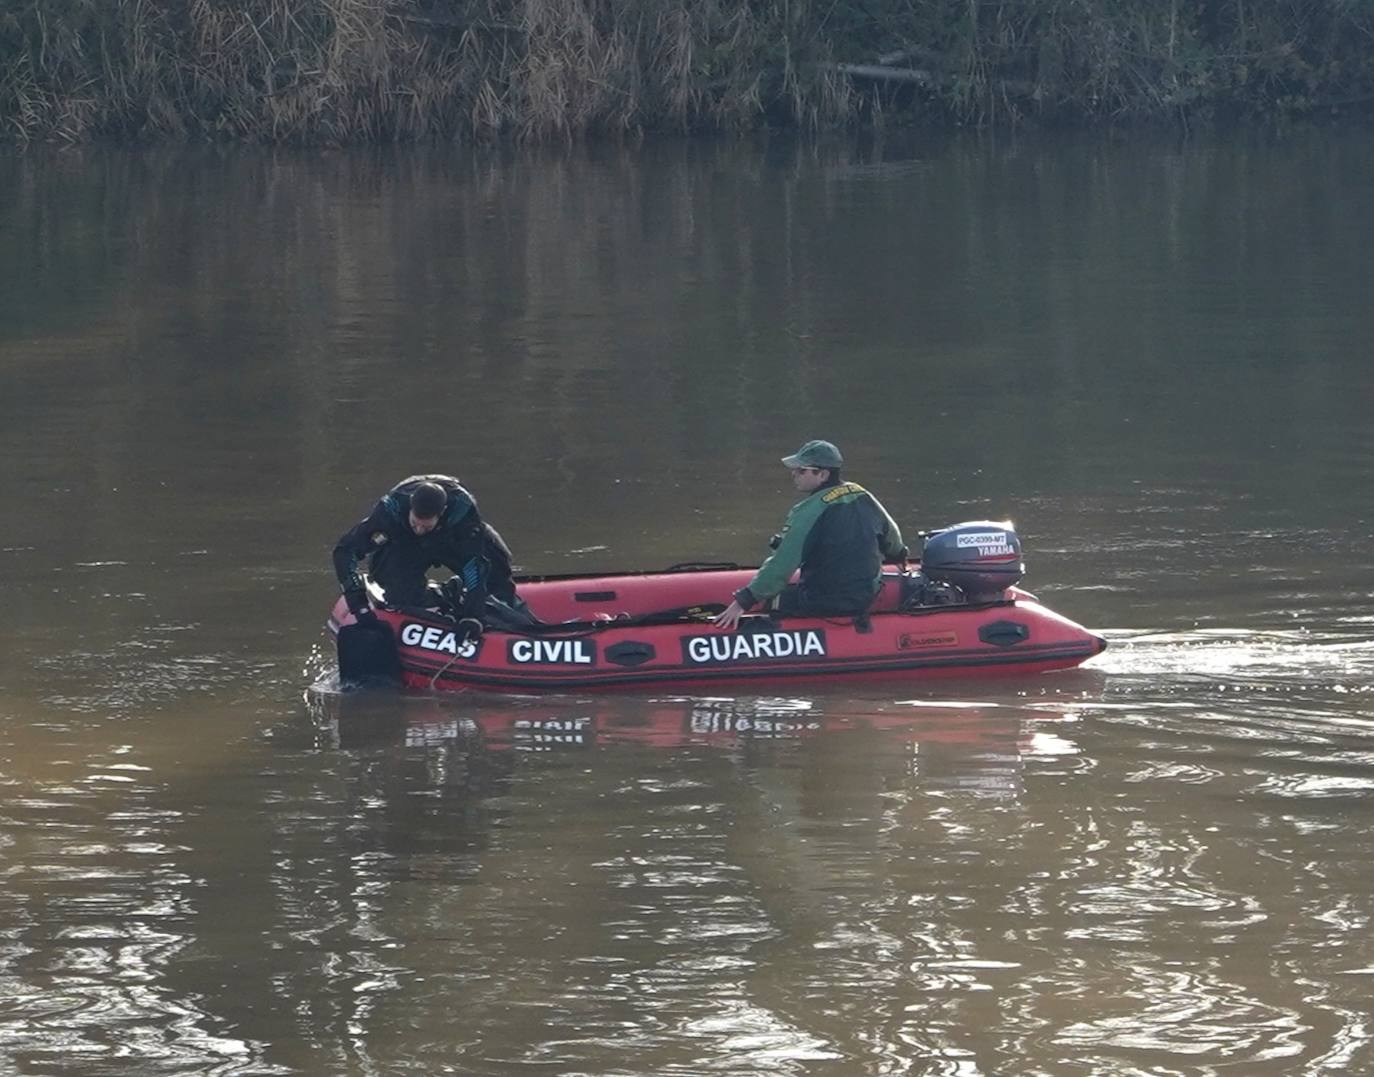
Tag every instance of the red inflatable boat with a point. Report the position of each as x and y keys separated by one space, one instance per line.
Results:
x=655 y=629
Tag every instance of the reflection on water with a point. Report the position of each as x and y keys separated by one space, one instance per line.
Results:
x=743 y=883
x=749 y=843
x=927 y=855
x=1151 y=355
x=97 y=915
x=975 y=747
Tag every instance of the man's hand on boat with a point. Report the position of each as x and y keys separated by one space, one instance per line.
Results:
x=361 y=609
x=729 y=617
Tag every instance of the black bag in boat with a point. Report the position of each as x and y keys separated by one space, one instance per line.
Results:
x=507 y=617
x=452 y=599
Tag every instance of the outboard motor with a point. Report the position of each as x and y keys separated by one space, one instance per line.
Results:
x=982 y=558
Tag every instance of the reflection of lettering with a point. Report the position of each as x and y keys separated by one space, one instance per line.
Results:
x=910 y=641
x=423 y=736
x=753 y=646
x=710 y=721
x=433 y=638
x=545 y=734
x=577 y=652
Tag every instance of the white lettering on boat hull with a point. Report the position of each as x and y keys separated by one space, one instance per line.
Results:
x=726 y=648
x=552 y=652
x=439 y=640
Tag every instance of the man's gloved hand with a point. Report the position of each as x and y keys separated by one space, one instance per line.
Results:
x=360 y=608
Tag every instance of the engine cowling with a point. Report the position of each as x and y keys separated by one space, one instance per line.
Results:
x=982 y=558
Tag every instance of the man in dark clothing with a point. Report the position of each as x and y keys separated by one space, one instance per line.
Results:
x=424 y=521
x=838 y=535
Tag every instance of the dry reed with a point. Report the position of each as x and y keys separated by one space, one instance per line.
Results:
x=346 y=70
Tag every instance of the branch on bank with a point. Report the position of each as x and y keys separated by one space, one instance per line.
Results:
x=881 y=72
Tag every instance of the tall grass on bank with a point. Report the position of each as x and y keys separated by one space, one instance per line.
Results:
x=347 y=70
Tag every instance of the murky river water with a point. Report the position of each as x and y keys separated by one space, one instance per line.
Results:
x=1153 y=355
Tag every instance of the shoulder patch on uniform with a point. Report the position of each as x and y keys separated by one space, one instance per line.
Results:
x=378 y=538
x=843 y=490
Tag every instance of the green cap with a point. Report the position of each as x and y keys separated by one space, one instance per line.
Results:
x=815 y=454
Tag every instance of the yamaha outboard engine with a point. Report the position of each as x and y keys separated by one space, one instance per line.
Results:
x=982 y=558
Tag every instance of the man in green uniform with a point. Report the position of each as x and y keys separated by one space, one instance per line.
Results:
x=838 y=535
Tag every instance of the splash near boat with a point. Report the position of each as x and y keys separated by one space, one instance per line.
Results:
x=959 y=612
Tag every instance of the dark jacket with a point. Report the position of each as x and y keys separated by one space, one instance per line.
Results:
x=398 y=559
x=838 y=536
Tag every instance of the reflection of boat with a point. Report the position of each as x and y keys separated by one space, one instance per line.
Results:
x=658 y=724
x=974 y=747
x=652 y=629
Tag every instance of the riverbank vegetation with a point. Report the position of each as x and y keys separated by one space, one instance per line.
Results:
x=351 y=70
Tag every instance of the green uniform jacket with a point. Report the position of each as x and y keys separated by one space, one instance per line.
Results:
x=839 y=537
